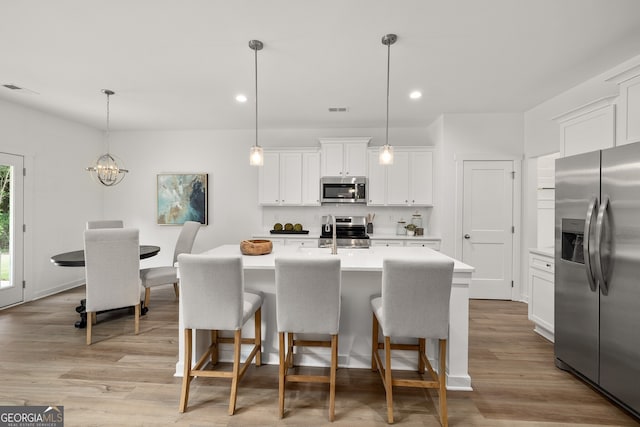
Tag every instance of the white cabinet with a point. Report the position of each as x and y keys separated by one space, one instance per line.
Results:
x=588 y=128
x=344 y=156
x=387 y=243
x=541 y=286
x=302 y=243
x=289 y=178
x=408 y=242
x=432 y=244
x=628 y=113
x=311 y=179
x=407 y=182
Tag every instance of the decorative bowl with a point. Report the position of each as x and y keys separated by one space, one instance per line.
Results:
x=256 y=247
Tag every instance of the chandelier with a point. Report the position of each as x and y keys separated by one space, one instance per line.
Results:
x=256 y=157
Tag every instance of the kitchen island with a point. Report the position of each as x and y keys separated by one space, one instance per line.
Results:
x=361 y=278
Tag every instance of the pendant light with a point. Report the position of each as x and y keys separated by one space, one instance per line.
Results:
x=256 y=157
x=386 y=151
x=106 y=169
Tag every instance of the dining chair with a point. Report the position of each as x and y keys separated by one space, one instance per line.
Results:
x=415 y=304
x=111 y=267
x=105 y=223
x=307 y=302
x=213 y=298
x=166 y=275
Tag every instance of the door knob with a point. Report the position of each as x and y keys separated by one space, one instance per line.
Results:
x=466 y=236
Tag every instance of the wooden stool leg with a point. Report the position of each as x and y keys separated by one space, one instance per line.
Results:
x=236 y=370
x=290 y=349
x=176 y=290
x=186 y=376
x=442 y=391
x=281 y=374
x=387 y=379
x=136 y=322
x=421 y=350
x=147 y=296
x=332 y=378
x=258 y=335
x=374 y=343
x=216 y=347
x=89 y=326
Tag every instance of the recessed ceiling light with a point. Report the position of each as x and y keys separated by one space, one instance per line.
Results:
x=416 y=94
x=241 y=98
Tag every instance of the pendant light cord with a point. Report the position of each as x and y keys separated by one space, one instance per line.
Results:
x=256 y=73
x=388 y=72
x=107 y=134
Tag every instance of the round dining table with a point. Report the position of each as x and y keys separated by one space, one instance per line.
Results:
x=76 y=259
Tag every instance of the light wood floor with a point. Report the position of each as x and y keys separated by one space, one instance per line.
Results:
x=123 y=379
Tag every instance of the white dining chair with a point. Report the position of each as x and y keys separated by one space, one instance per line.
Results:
x=307 y=302
x=213 y=298
x=414 y=303
x=168 y=274
x=105 y=223
x=112 y=262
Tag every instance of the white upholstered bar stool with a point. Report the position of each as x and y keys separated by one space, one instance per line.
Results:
x=414 y=303
x=105 y=223
x=307 y=302
x=168 y=274
x=112 y=262
x=213 y=298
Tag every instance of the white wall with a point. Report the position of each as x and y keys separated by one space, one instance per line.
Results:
x=59 y=195
x=471 y=135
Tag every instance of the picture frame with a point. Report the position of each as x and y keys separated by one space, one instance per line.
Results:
x=182 y=197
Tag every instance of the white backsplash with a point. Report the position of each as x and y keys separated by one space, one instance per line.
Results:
x=311 y=217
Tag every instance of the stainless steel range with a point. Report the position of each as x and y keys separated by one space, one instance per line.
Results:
x=351 y=232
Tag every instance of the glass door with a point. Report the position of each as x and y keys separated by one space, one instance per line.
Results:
x=11 y=229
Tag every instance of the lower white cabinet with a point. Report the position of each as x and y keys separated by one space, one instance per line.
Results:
x=408 y=242
x=306 y=243
x=387 y=243
x=541 y=286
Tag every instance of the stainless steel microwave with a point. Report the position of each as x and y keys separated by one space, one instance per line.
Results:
x=337 y=189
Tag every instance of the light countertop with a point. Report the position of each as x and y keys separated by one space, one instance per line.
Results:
x=547 y=251
x=351 y=259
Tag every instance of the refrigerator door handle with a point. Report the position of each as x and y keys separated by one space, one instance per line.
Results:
x=588 y=244
x=600 y=225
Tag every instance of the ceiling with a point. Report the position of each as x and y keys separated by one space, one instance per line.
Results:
x=180 y=64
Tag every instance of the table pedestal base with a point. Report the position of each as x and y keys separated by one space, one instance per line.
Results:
x=82 y=311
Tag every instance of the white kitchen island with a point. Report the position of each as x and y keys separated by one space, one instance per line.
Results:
x=361 y=278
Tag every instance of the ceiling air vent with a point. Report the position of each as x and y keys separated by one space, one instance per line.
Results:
x=12 y=87
x=19 y=89
x=338 y=109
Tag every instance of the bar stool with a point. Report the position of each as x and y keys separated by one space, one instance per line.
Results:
x=307 y=302
x=213 y=298
x=414 y=303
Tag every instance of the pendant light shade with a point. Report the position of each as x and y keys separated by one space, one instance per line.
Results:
x=386 y=151
x=256 y=157
x=108 y=170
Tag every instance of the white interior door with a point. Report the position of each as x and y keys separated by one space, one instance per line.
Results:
x=487 y=221
x=11 y=223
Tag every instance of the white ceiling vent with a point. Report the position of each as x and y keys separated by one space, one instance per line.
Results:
x=338 y=109
x=19 y=89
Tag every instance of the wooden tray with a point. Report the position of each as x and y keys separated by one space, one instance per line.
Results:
x=289 y=232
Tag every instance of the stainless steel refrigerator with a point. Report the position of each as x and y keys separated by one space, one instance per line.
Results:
x=597 y=275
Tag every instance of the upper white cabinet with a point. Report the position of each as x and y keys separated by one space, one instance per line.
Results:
x=289 y=178
x=311 y=179
x=628 y=126
x=588 y=128
x=407 y=182
x=344 y=156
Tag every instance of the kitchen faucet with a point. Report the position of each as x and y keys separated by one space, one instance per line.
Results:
x=334 y=242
